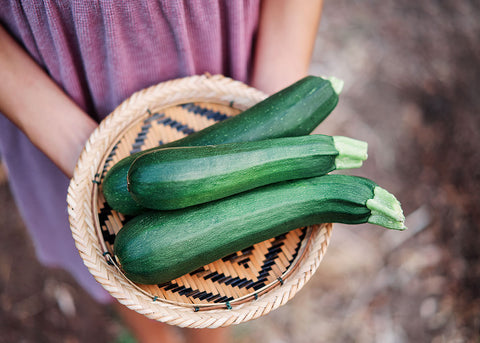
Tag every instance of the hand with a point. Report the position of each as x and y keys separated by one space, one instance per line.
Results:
x=39 y=108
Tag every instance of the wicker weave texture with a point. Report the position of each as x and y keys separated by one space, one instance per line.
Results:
x=237 y=288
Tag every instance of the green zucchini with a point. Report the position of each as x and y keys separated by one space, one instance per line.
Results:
x=294 y=111
x=159 y=246
x=174 y=178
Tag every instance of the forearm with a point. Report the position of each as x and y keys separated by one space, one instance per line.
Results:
x=39 y=108
x=285 y=41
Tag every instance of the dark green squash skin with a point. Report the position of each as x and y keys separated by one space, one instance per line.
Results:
x=294 y=111
x=159 y=246
x=174 y=178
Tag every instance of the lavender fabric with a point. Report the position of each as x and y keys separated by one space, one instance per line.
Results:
x=100 y=52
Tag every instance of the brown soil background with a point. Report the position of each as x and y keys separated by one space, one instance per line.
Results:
x=412 y=79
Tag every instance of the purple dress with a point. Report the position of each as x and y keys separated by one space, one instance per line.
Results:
x=100 y=53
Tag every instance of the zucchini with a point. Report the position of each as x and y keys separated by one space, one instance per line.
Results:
x=294 y=111
x=174 y=178
x=159 y=246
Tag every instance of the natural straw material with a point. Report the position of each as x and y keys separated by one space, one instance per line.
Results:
x=237 y=288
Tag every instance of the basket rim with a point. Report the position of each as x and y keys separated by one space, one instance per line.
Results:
x=81 y=193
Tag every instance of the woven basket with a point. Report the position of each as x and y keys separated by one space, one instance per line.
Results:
x=234 y=289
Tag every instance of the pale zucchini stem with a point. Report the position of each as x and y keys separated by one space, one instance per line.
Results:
x=337 y=84
x=351 y=152
x=385 y=210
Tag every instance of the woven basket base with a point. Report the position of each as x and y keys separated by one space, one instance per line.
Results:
x=239 y=287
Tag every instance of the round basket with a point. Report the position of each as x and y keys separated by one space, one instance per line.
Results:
x=239 y=287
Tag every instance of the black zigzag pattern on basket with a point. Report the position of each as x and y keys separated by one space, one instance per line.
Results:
x=140 y=139
x=196 y=294
x=108 y=160
x=167 y=121
x=103 y=215
x=221 y=278
x=161 y=119
x=205 y=112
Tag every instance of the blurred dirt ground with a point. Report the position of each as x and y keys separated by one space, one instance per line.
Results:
x=412 y=78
